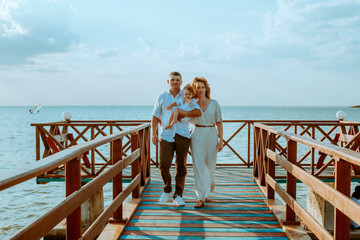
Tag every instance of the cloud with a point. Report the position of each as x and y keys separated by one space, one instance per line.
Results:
x=147 y=47
x=32 y=28
x=188 y=50
x=73 y=8
x=8 y=26
x=314 y=24
x=107 y=52
x=303 y=32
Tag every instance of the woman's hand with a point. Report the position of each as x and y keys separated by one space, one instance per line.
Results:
x=220 y=145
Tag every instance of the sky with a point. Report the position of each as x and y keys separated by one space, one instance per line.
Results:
x=115 y=52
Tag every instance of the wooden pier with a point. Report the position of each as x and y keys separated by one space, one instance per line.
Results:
x=244 y=203
x=237 y=211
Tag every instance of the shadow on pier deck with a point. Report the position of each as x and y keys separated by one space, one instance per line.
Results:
x=237 y=211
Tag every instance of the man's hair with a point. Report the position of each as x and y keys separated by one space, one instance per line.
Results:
x=189 y=88
x=207 y=87
x=175 y=74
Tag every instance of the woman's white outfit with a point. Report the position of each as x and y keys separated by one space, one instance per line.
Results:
x=204 y=149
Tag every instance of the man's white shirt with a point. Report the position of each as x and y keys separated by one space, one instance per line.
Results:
x=180 y=127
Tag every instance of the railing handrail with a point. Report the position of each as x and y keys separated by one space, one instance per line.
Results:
x=28 y=171
x=99 y=125
x=336 y=198
x=327 y=148
x=48 y=220
x=265 y=158
x=146 y=121
x=88 y=122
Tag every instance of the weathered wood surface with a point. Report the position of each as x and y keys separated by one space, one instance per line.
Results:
x=75 y=194
x=340 y=201
x=16 y=176
x=244 y=128
x=237 y=210
x=345 y=154
x=286 y=158
x=46 y=222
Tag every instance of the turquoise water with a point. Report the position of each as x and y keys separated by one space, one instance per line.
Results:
x=22 y=204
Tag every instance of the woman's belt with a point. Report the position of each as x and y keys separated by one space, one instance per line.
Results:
x=197 y=125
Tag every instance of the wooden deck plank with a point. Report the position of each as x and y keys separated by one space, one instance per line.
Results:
x=204 y=213
x=201 y=217
x=215 y=201
x=212 y=204
x=205 y=232
x=197 y=226
x=237 y=210
x=201 y=237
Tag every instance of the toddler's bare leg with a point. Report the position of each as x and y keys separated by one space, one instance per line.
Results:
x=170 y=121
x=173 y=119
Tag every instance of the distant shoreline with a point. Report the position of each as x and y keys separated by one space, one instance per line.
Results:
x=280 y=106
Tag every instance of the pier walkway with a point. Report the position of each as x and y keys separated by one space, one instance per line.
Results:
x=237 y=211
x=248 y=200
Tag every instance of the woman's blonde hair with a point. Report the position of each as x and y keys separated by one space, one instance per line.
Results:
x=207 y=87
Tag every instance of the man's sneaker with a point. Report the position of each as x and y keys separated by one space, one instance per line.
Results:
x=178 y=201
x=164 y=197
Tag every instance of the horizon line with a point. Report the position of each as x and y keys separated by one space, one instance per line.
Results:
x=348 y=106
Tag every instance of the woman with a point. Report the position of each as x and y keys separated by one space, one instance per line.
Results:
x=206 y=141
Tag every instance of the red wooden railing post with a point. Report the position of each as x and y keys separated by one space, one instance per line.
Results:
x=148 y=156
x=73 y=183
x=135 y=167
x=312 y=167
x=157 y=151
x=117 y=153
x=290 y=179
x=256 y=154
x=270 y=166
x=93 y=153
x=142 y=158
x=262 y=163
x=248 y=146
x=342 y=184
x=37 y=140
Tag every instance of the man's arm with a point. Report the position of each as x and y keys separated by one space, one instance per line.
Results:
x=154 y=128
x=192 y=114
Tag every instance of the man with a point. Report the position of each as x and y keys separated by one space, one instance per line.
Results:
x=175 y=139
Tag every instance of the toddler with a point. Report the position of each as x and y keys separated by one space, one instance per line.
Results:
x=187 y=104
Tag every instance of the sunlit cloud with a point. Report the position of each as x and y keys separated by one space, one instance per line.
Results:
x=147 y=48
x=188 y=50
x=8 y=26
x=107 y=52
x=29 y=29
x=329 y=28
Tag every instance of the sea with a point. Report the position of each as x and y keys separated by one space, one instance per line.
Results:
x=22 y=204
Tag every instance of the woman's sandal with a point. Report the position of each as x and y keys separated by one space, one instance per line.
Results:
x=207 y=200
x=199 y=204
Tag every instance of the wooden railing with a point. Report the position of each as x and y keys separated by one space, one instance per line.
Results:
x=56 y=136
x=267 y=155
x=65 y=146
x=139 y=160
x=333 y=132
